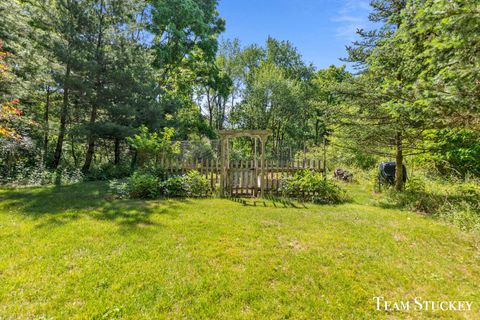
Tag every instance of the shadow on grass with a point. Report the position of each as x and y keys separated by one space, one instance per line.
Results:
x=58 y=205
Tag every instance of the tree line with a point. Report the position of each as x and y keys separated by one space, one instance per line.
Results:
x=81 y=78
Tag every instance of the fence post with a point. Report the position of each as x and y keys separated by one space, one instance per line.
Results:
x=324 y=157
x=262 y=164
x=222 y=168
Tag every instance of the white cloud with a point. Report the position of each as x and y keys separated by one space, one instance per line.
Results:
x=351 y=16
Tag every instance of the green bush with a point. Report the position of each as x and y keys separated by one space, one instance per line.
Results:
x=415 y=184
x=312 y=186
x=145 y=186
x=150 y=145
x=193 y=185
x=156 y=171
x=455 y=202
x=463 y=214
x=120 y=189
x=109 y=171
x=36 y=176
x=174 y=187
x=197 y=185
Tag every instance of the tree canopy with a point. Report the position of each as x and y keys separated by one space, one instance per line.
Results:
x=84 y=82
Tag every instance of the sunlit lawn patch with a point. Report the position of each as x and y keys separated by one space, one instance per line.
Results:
x=71 y=252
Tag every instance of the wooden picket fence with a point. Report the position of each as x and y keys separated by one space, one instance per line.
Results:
x=210 y=169
x=243 y=178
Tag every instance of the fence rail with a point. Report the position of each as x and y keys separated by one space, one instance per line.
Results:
x=243 y=178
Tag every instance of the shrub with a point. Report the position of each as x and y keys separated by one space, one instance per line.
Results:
x=120 y=189
x=197 y=185
x=311 y=186
x=36 y=176
x=156 y=171
x=463 y=214
x=413 y=200
x=415 y=184
x=145 y=186
x=150 y=145
x=109 y=171
x=69 y=176
x=457 y=203
x=174 y=187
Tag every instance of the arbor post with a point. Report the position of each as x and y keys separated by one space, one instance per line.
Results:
x=324 y=157
x=262 y=165
x=255 y=168
x=222 y=165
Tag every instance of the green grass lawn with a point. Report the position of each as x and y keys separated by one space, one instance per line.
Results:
x=72 y=253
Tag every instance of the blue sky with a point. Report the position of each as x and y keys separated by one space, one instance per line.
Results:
x=319 y=29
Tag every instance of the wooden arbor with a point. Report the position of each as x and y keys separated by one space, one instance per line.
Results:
x=225 y=135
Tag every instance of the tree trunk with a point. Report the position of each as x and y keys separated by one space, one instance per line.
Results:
x=45 y=134
x=93 y=116
x=117 y=151
x=133 y=164
x=74 y=155
x=210 y=109
x=399 y=163
x=91 y=142
x=63 y=120
x=221 y=120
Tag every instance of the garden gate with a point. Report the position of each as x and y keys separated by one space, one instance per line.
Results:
x=242 y=178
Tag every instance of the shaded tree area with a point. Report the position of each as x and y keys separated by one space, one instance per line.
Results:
x=81 y=78
x=414 y=91
x=90 y=73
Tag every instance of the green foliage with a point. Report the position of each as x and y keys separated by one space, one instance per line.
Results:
x=456 y=202
x=181 y=27
x=190 y=123
x=150 y=146
x=324 y=99
x=143 y=186
x=87 y=69
x=275 y=86
x=151 y=184
x=91 y=77
x=27 y=175
x=417 y=92
x=453 y=152
x=198 y=185
x=450 y=65
x=192 y=185
x=109 y=171
x=175 y=187
x=312 y=186
x=119 y=188
x=199 y=148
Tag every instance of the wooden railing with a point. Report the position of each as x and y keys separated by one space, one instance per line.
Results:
x=243 y=178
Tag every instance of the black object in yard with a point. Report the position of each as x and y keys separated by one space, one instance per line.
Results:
x=387 y=172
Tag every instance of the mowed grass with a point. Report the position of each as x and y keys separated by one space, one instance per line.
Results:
x=72 y=253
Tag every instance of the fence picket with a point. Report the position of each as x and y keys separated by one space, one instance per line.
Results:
x=277 y=175
x=242 y=175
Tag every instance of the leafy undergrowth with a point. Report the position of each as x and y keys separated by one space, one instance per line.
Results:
x=455 y=202
x=71 y=252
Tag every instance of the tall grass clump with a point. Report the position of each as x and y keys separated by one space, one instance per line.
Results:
x=455 y=201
